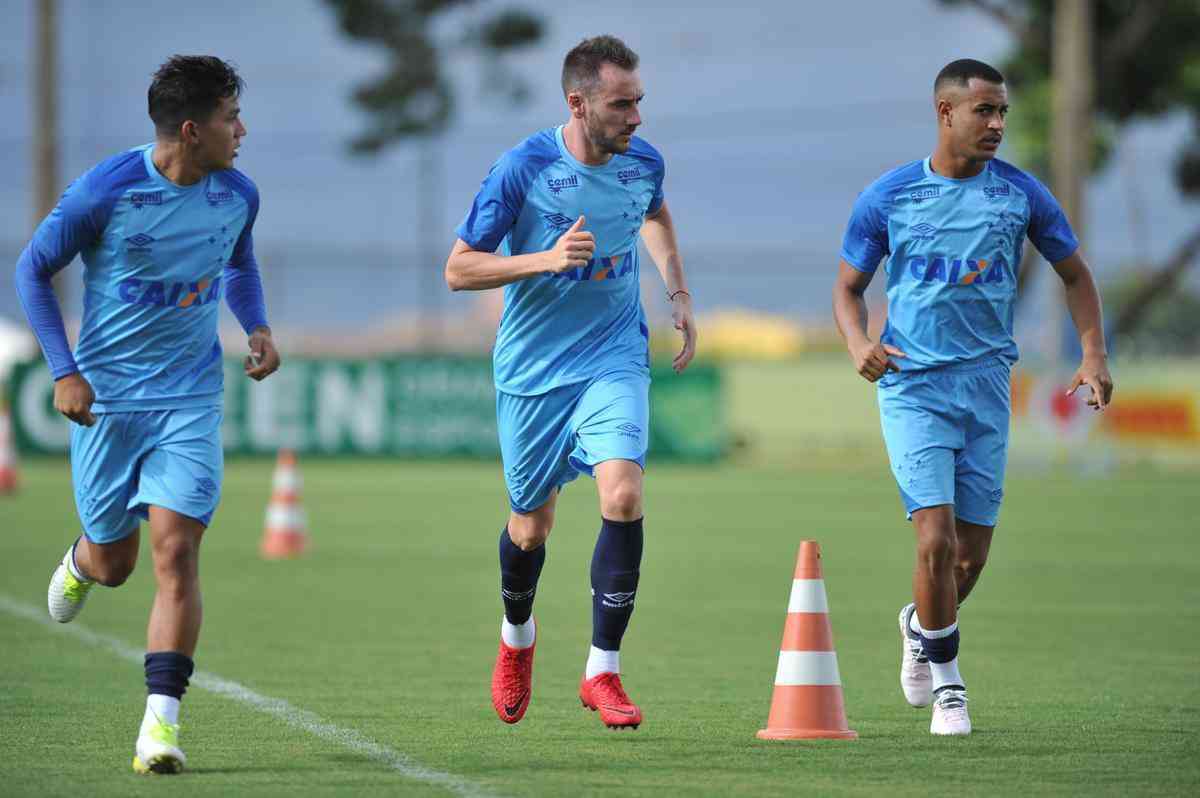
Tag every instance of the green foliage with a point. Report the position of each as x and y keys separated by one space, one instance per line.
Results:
x=1147 y=64
x=413 y=97
x=1171 y=325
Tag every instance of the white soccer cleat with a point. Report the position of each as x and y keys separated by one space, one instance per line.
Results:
x=950 y=712
x=915 y=678
x=158 y=749
x=66 y=594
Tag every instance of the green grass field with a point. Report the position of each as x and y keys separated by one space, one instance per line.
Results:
x=1081 y=644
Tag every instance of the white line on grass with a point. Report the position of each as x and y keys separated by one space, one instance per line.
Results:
x=276 y=707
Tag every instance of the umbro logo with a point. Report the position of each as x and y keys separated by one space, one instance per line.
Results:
x=513 y=595
x=618 y=599
x=206 y=487
x=140 y=242
x=629 y=430
x=924 y=230
x=557 y=221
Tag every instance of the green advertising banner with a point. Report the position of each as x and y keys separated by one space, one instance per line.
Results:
x=415 y=406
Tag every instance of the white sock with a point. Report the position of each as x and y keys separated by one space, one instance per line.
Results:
x=914 y=625
x=600 y=661
x=160 y=708
x=73 y=567
x=945 y=673
x=517 y=635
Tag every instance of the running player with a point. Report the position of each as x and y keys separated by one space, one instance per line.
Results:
x=165 y=231
x=564 y=210
x=952 y=227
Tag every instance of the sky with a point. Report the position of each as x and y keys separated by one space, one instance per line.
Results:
x=771 y=116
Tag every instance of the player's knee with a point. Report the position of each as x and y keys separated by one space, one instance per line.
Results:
x=176 y=556
x=937 y=552
x=622 y=502
x=529 y=533
x=114 y=572
x=971 y=565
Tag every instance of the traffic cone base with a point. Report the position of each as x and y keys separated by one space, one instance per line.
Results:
x=8 y=454
x=807 y=702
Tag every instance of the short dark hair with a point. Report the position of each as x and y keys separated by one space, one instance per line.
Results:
x=190 y=87
x=961 y=71
x=581 y=67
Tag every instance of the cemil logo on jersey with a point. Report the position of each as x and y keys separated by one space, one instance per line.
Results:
x=627 y=176
x=998 y=190
x=963 y=271
x=557 y=184
x=921 y=194
x=140 y=198
x=215 y=198
x=165 y=295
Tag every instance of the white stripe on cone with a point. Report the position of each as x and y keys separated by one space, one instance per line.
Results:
x=808 y=595
x=286 y=479
x=285 y=517
x=807 y=668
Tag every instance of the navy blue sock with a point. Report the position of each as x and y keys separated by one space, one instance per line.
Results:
x=519 y=572
x=615 y=572
x=941 y=649
x=167 y=673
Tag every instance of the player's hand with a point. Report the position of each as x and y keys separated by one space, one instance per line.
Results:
x=681 y=312
x=873 y=360
x=573 y=249
x=1093 y=372
x=263 y=359
x=73 y=397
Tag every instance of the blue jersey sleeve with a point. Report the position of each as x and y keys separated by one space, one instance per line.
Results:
x=866 y=240
x=497 y=205
x=1049 y=229
x=243 y=284
x=77 y=221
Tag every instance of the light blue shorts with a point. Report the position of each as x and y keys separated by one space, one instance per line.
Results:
x=946 y=431
x=548 y=440
x=126 y=462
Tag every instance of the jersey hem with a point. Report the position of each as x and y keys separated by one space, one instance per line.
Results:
x=213 y=400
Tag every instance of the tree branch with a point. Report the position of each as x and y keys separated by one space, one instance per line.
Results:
x=1157 y=285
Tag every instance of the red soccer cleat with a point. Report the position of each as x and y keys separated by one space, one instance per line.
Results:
x=605 y=693
x=512 y=682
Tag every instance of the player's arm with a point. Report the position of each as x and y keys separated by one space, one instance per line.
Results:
x=244 y=295
x=75 y=222
x=871 y=359
x=658 y=233
x=1083 y=301
x=470 y=269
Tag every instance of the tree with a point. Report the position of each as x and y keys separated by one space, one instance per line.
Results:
x=414 y=97
x=1146 y=64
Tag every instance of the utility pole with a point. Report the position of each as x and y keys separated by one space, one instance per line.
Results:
x=44 y=136
x=1070 y=140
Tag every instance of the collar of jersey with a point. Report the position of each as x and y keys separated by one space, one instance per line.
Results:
x=575 y=162
x=966 y=181
x=158 y=178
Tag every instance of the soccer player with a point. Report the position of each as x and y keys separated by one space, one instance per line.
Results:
x=565 y=208
x=952 y=227
x=164 y=230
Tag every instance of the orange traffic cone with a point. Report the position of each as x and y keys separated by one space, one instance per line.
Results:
x=286 y=533
x=8 y=452
x=808 y=690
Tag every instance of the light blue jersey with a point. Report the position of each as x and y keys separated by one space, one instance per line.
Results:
x=155 y=258
x=953 y=248
x=565 y=329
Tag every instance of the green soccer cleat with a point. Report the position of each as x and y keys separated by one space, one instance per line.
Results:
x=66 y=594
x=158 y=750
